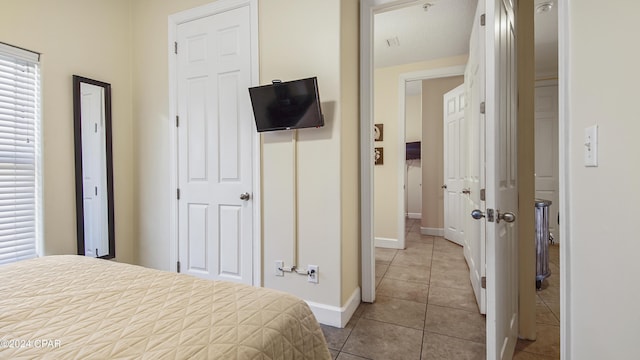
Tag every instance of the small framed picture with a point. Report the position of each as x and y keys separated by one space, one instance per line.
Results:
x=378 y=156
x=378 y=132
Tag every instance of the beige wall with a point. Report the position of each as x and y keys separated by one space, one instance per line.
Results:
x=413 y=118
x=327 y=236
x=151 y=125
x=91 y=39
x=603 y=243
x=386 y=112
x=125 y=43
x=318 y=166
x=433 y=91
x=350 y=149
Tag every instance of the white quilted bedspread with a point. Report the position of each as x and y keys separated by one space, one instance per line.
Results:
x=74 y=307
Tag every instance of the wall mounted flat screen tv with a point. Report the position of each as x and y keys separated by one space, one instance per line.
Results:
x=287 y=105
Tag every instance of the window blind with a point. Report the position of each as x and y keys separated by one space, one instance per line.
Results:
x=19 y=154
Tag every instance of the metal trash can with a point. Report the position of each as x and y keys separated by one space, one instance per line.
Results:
x=543 y=237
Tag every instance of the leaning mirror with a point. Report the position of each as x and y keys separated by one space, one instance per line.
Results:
x=94 y=167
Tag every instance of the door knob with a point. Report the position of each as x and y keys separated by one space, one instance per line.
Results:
x=506 y=216
x=245 y=196
x=477 y=214
x=444 y=186
x=466 y=191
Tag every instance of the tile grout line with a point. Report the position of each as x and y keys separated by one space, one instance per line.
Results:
x=426 y=309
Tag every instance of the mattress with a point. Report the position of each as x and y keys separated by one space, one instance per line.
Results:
x=76 y=307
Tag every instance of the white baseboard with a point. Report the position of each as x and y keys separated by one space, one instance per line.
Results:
x=333 y=315
x=386 y=243
x=414 y=216
x=432 y=231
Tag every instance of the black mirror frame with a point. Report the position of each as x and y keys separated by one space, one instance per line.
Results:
x=77 y=130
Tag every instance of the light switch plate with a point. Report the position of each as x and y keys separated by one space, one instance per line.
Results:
x=278 y=269
x=591 y=146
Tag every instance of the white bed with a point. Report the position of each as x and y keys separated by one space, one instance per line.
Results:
x=75 y=307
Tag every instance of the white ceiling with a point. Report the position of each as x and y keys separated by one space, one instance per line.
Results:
x=443 y=31
x=440 y=32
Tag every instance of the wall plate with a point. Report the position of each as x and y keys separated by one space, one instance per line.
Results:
x=591 y=146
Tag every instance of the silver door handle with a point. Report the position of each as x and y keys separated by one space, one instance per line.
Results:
x=465 y=191
x=477 y=214
x=506 y=216
x=245 y=196
x=443 y=186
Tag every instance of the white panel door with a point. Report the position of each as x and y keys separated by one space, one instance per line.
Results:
x=454 y=164
x=474 y=238
x=546 y=131
x=501 y=185
x=215 y=135
x=94 y=165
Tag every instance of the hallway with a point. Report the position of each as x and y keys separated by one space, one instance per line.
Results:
x=425 y=308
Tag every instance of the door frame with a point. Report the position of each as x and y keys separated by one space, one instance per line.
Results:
x=175 y=20
x=564 y=172
x=368 y=8
x=429 y=74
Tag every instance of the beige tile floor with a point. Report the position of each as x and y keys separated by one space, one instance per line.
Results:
x=425 y=309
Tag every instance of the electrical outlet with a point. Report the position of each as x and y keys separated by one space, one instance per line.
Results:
x=279 y=266
x=312 y=274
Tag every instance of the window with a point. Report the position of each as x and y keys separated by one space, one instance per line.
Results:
x=20 y=194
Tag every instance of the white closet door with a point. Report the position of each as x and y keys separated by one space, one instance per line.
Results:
x=215 y=147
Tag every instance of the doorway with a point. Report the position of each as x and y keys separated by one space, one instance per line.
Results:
x=501 y=108
x=439 y=65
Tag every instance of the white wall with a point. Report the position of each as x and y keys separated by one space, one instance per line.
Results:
x=601 y=253
x=413 y=178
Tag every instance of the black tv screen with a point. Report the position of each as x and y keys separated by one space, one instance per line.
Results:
x=287 y=105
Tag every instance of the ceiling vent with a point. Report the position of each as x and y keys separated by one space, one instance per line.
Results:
x=393 y=42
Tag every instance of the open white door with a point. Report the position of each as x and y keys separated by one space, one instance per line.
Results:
x=454 y=164
x=474 y=239
x=546 y=137
x=501 y=185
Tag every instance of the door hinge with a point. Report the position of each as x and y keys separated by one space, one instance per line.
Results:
x=178 y=266
x=482 y=106
x=482 y=20
x=175 y=47
x=483 y=281
x=483 y=194
x=178 y=194
x=177 y=121
x=490 y=216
